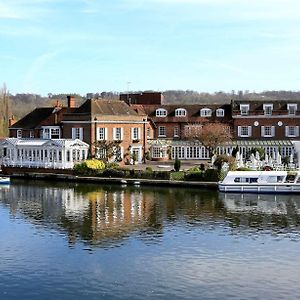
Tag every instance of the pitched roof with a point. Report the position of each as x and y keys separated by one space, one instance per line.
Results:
x=105 y=107
x=34 y=118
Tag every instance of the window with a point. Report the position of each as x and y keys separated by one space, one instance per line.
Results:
x=161 y=131
x=244 y=108
x=205 y=112
x=176 y=131
x=51 y=133
x=102 y=133
x=101 y=153
x=77 y=133
x=267 y=131
x=19 y=133
x=291 y=131
x=135 y=133
x=220 y=112
x=31 y=134
x=292 y=109
x=148 y=132
x=268 y=108
x=118 y=134
x=180 y=112
x=161 y=112
x=55 y=133
x=159 y=152
x=244 y=131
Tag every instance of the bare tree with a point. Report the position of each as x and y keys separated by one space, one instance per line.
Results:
x=211 y=135
x=4 y=111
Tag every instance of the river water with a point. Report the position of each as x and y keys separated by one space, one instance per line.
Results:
x=80 y=241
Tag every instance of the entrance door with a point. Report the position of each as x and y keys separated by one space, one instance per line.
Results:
x=137 y=153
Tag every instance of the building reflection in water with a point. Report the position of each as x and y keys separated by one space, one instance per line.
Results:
x=108 y=215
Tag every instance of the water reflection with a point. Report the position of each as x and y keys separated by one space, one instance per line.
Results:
x=109 y=215
x=263 y=212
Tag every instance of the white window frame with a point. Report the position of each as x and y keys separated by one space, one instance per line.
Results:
x=291 y=131
x=48 y=131
x=101 y=133
x=19 y=133
x=77 y=133
x=292 y=109
x=176 y=131
x=180 y=112
x=162 y=131
x=220 y=112
x=268 y=109
x=244 y=131
x=267 y=128
x=135 y=133
x=205 y=112
x=161 y=112
x=118 y=134
x=244 y=109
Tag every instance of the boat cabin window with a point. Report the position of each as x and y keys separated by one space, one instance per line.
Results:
x=245 y=179
x=290 y=178
x=298 y=180
x=280 y=179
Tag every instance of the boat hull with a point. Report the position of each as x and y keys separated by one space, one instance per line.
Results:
x=260 y=188
x=4 y=180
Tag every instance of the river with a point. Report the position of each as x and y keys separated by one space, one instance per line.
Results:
x=86 y=241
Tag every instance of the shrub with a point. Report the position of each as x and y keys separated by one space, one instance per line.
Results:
x=194 y=176
x=113 y=173
x=194 y=169
x=177 y=164
x=95 y=164
x=89 y=167
x=211 y=175
x=112 y=165
x=243 y=169
x=225 y=158
x=208 y=175
x=177 y=176
x=149 y=169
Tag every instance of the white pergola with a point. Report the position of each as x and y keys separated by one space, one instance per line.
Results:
x=42 y=153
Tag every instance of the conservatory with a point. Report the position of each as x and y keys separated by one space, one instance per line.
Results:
x=42 y=153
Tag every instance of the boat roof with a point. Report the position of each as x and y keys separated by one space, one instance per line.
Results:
x=257 y=173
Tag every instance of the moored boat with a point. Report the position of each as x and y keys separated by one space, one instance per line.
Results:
x=261 y=182
x=4 y=180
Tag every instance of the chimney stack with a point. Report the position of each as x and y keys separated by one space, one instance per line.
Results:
x=11 y=121
x=71 y=101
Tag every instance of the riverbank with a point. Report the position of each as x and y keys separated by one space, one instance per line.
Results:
x=120 y=181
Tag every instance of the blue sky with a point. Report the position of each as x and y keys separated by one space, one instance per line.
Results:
x=85 y=46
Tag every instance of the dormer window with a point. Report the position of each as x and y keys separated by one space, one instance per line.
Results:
x=180 y=112
x=161 y=112
x=205 y=112
x=244 y=108
x=220 y=112
x=268 y=108
x=292 y=109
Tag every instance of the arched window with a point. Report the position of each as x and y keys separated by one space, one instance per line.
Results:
x=220 y=112
x=205 y=112
x=161 y=112
x=180 y=112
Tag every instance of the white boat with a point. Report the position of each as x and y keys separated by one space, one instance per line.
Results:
x=261 y=182
x=4 y=180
